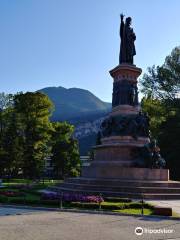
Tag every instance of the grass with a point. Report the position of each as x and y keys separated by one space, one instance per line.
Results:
x=174 y=214
x=146 y=211
x=41 y=183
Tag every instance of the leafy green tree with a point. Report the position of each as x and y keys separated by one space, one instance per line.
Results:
x=163 y=82
x=157 y=113
x=33 y=111
x=65 y=152
x=161 y=88
x=28 y=137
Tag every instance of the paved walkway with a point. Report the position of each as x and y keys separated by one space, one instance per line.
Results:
x=174 y=204
x=79 y=226
x=4 y=211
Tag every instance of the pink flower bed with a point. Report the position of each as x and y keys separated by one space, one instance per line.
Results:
x=72 y=197
x=11 y=194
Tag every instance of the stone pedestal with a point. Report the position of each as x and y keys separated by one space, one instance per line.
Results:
x=125 y=72
x=118 y=151
x=115 y=171
x=119 y=167
x=125 y=110
x=124 y=82
x=115 y=157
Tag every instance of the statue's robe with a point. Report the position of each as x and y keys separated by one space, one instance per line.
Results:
x=127 y=47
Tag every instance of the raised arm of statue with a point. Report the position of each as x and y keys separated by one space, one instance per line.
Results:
x=121 y=26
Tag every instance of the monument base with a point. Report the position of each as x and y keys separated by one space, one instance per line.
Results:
x=125 y=188
x=122 y=173
x=118 y=151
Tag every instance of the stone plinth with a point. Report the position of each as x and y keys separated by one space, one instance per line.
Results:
x=115 y=158
x=118 y=151
x=125 y=110
x=113 y=154
x=125 y=72
x=125 y=82
x=124 y=141
x=125 y=173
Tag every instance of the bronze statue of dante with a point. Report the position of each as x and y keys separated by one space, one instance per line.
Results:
x=127 y=47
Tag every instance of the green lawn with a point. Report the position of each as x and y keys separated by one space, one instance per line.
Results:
x=174 y=214
x=12 y=182
x=135 y=211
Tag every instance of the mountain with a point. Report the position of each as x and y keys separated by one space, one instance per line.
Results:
x=86 y=133
x=81 y=108
x=73 y=103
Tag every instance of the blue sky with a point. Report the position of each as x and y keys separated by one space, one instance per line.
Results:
x=74 y=43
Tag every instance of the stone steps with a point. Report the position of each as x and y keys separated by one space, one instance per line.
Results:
x=151 y=196
x=118 y=182
x=124 y=188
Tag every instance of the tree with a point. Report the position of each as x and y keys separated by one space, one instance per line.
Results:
x=163 y=82
x=33 y=111
x=12 y=144
x=6 y=109
x=157 y=113
x=28 y=137
x=169 y=138
x=65 y=152
x=161 y=88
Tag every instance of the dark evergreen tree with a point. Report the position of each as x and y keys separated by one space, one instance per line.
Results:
x=65 y=152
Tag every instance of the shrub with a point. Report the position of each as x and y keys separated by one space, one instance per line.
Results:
x=117 y=199
x=3 y=199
